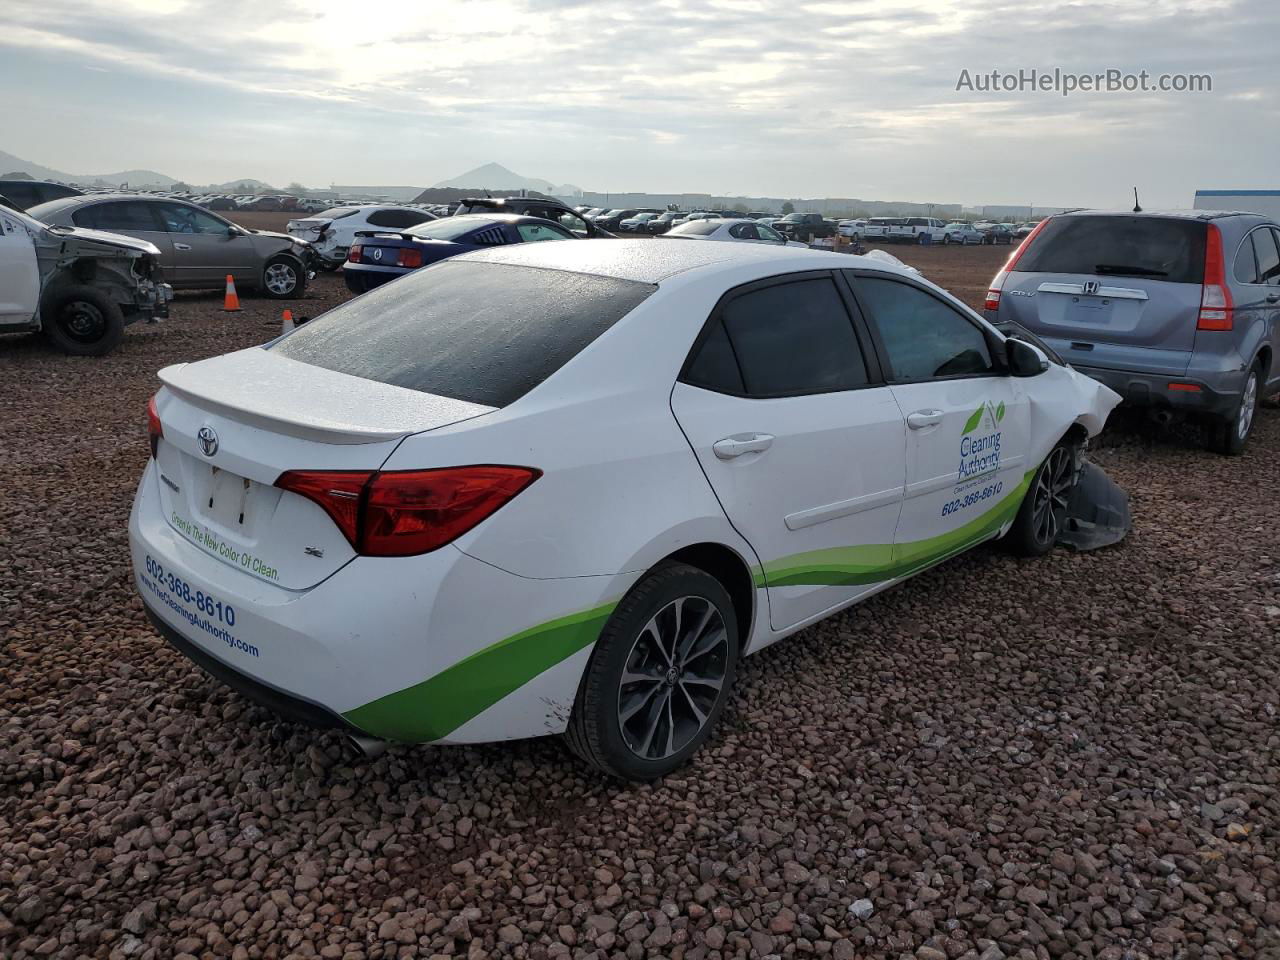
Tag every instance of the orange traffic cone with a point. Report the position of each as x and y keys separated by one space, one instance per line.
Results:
x=288 y=321
x=231 y=301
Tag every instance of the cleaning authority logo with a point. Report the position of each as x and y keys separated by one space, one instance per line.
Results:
x=980 y=443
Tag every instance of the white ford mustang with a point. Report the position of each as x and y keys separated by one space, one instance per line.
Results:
x=563 y=488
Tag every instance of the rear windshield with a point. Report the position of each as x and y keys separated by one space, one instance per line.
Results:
x=696 y=228
x=483 y=332
x=337 y=213
x=1160 y=248
x=449 y=228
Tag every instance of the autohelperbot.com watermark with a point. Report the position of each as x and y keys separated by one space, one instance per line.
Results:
x=1065 y=83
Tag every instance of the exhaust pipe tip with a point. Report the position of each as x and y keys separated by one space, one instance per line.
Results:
x=1162 y=417
x=370 y=747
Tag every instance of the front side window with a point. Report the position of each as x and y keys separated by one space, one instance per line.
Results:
x=744 y=231
x=180 y=219
x=923 y=338
x=768 y=233
x=787 y=339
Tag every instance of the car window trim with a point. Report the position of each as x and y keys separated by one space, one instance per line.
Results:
x=1258 y=280
x=994 y=345
x=715 y=318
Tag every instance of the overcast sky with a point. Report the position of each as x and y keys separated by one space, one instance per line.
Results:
x=756 y=97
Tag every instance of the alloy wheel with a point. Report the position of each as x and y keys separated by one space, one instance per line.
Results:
x=673 y=678
x=280 y=278
x=1248 y=404
x=1052 y=488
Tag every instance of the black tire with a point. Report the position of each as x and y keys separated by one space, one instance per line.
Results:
x=1230 y=434
x=946 y=239
x=283 y=278
x=597 y=731
x=1043 y=510
x=82 y=321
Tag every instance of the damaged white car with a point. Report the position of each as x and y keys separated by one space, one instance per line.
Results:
x=332 y=231
x=79 y=287
x=565 y=487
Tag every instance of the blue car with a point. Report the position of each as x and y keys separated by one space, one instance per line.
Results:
x=375 y=257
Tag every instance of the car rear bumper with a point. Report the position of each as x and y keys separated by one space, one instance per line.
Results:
x=440 y=647
x=1164 y=391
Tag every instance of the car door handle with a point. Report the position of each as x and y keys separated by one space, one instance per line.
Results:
x=741 y=443
x=182 y=246
x=924 y=418
x=1273 y=297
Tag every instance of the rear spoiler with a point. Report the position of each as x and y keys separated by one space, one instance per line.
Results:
x=386 y=233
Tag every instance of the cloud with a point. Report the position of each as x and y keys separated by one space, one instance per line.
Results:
x=805 y=98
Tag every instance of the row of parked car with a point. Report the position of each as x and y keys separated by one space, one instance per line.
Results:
x=1178 y=312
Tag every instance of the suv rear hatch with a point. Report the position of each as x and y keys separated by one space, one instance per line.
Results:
x=1116 y=292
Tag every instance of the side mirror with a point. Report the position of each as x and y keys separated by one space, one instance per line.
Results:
x=233 y=232
x=1024 y=359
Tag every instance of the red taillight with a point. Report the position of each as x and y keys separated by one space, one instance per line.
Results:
x=997 y=284
x=353 y=253
x=403 y=513
x=338 y=492
x=155 y=429
x=409 y=257
x=1217 y=312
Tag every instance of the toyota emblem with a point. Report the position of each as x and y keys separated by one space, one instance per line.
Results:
x=208 y=441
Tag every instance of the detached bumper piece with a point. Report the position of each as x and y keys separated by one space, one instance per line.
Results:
x=1097 y=512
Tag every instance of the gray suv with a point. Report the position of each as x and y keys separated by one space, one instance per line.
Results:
x=197 y=248
x=1176 y=311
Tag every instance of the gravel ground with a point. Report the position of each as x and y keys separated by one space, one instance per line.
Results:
x=1070 y=757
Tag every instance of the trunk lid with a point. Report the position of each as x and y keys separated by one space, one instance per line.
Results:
x=233 y=424
x=308 y=228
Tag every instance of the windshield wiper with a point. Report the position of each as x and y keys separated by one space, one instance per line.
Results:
x=1128 y=269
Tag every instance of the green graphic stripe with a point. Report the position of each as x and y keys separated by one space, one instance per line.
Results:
x=439 y=705
x=873 y=563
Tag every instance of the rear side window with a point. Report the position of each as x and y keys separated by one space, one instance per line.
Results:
x=487 y=333
x=127 y=216
x=1264 y=247
x=1246 y=268
x=788 y=339
x=924 y=338
x=1160 y=248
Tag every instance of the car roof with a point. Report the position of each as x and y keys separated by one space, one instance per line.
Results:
x=652 y=261
x=1203 y=215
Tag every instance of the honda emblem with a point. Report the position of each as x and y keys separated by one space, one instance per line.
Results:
x=1090 y=288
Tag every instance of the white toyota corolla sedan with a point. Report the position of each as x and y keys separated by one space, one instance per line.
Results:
x=563 y=488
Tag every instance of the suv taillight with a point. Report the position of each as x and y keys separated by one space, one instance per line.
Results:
x=408 y=512
x=1217 y=311
x=155 y=429
x=997 y=284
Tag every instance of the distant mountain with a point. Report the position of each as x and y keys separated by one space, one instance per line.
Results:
x=135 y=178
x=494 y=176
x=246 y=185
